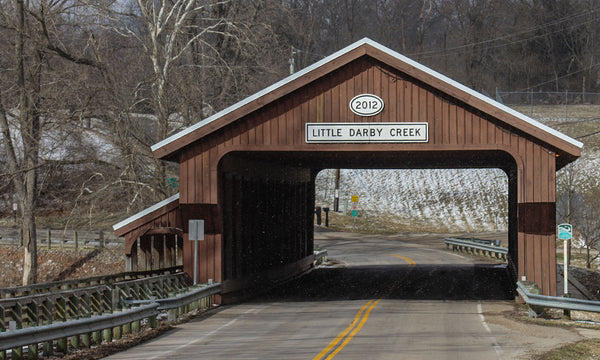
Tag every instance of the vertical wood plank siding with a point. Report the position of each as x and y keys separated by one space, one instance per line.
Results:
x=279 y=126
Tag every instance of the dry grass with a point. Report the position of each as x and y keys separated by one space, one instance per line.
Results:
x=374 y=223
x=582 y=350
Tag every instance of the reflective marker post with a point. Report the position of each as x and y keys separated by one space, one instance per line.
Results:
x=565 y=233
x=196 y=232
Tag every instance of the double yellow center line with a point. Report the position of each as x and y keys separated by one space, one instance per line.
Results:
x=337 y=344
x=359 y=320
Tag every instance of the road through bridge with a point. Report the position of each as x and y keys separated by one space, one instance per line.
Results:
x=388 y=298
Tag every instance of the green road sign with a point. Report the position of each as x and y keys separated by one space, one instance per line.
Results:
x=565 y=231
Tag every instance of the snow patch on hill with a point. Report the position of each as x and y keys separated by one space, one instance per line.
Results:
x=458 y=200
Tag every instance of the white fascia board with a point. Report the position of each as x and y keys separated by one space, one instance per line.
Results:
x=388 y=51
x=145 y=212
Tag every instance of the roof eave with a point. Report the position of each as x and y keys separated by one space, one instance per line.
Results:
x=122 y=227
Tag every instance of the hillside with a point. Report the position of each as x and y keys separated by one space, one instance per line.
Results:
x=454 y=200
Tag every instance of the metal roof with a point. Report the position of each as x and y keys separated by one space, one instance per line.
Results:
x=145 y=212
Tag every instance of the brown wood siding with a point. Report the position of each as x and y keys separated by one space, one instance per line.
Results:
x=453 y=126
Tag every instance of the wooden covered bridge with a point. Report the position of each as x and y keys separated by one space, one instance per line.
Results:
x=249 y=170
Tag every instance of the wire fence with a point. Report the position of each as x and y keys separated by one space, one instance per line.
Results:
x=547 y=98
x=558 y=105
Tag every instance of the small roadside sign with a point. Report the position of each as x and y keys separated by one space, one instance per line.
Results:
x=354 y=199
x=196 y=231
x=565 y=231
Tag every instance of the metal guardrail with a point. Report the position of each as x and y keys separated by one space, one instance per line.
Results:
x=537 y=301
x=320 y=257
x=476 y=247
x=39 y=334
x=111 y=326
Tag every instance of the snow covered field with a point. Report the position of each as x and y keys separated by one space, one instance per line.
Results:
x=455 y=200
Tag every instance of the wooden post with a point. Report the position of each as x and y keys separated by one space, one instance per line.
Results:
x=49 y=237
x=101 y=239
x=76 y=242
x=117 y=332
x=86 y=312
x=34 y=320
x=61 y=314
x=107 y=334
x=48 y=311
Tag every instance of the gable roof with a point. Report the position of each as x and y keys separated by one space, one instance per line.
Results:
x=167 y=148
x=121 y=227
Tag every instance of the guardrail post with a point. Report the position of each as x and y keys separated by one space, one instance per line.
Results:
x=16 y=323
x=61 y=315
x=126 y=327
x=48 y=314
x=74 y=306
x=152 y=322
x=17 y=353
x=107 y=335
x=135 y=326
x=86 y=312
x=117 y=332
x=33 y=320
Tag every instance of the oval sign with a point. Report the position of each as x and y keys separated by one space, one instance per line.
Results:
x=366 y=105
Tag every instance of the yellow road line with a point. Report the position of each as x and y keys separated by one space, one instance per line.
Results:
x=357 y=323
x=335 y=341
x=356 y=330
x=410 y=261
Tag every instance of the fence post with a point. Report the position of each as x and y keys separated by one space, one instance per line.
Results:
x=76 y=242
x=101 y=239
x=566 y=105
x=49 y=233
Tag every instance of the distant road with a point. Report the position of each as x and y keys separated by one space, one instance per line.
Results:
x=387 y=299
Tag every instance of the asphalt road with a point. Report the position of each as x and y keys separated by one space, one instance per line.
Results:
x=387 y=298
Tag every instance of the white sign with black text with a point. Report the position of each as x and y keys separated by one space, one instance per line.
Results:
x=406 y=132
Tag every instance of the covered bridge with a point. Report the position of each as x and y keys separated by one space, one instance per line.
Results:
x=249 y=170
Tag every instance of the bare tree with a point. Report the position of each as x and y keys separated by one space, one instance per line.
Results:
x=587 y=225
x=33 y=31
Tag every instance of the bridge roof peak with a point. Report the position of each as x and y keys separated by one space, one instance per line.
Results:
x=563 y=144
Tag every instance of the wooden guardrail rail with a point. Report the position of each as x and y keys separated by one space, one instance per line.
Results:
x=17 y=291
